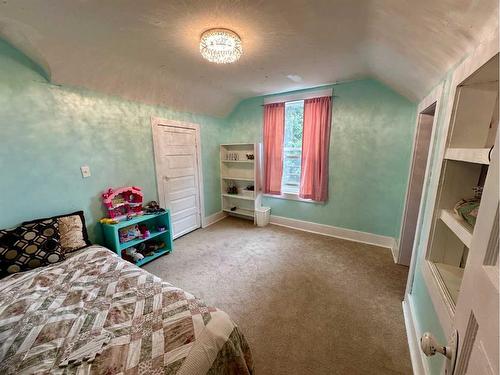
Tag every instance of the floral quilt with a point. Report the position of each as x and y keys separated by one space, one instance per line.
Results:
x=96 y=313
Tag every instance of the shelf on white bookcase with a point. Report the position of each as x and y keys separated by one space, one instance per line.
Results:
x=458 y=226
x=237 y=144
x=240 y=211
x=470 y=155
x=239 y=196
x=237 y=178
x=237 y=161
x=452 y=277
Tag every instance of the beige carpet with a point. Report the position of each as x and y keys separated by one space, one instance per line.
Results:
x=308 y=304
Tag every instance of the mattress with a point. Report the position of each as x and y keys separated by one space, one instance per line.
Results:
x=95 y=313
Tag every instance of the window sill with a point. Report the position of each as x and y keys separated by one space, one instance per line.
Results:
x=291 y=197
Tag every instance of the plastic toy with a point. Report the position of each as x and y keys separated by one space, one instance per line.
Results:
x=106 y=220
x=145 y=233
x=123 y=203
x=143 y=249
x=153 y=208
x=161 y=228
x=132 y=252
x=129 y=233
x=155 y=246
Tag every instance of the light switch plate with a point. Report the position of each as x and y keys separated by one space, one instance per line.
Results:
x=85 y=171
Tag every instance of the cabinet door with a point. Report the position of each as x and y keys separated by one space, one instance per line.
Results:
x=476 y=315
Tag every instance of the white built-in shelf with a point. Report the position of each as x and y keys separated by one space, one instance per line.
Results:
x=240 y=211
x=452 y=277
x=237 y=161
x=232 y=145
x=239 y=196
x=469 y=155
x=237 y=178
x=458 y=226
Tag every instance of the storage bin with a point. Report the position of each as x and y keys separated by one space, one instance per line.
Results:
x=262 y=216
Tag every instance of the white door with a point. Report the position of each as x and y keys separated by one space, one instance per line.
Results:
x=476 y=315
x=176 y=155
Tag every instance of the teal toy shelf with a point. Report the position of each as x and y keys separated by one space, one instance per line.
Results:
x=152 y=221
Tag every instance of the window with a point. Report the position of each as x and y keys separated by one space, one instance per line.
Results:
x=296 y=139
x=292 y=146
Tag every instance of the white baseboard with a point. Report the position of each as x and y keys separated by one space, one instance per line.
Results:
x=329 y=230
x=212 y=219
x=418 y=361
x=395 y=251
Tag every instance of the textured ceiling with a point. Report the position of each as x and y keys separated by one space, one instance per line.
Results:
x=148 y=50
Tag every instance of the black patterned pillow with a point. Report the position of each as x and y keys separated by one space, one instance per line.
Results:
x=29 y=246
x=72 y=231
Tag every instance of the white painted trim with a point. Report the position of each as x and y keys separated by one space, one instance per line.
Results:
x=413 y=334
x=331 y=231
x=435 y=96
x=395 y=251
x=214 y=218
x=155 y=121
x=298 y=96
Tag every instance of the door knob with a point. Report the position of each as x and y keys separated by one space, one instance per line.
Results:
x=430 y=347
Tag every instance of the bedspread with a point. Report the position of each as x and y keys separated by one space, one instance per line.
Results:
x=97 y=313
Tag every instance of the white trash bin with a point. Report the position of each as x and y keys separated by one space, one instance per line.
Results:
x=262 y=216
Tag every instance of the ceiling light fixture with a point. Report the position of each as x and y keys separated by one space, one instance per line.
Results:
x=220 y=46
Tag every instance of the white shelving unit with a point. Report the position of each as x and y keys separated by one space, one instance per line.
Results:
x=458 y=226
x=465 y=162
x=238 y=169
x=469 y=155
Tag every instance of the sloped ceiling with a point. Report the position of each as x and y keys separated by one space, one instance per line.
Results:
x=148 y=50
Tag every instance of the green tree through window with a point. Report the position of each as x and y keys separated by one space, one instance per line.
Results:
x=292 y=148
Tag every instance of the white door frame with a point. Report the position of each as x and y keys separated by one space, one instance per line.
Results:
x=434 y=96
x=158 y=121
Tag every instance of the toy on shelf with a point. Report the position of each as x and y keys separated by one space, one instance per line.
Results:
x=123 y=203
x=106 y=220
x=132 y=253
x=145 y=233
x=161 y=228
x=129 y=233
x=153 y=208
x=154 y=246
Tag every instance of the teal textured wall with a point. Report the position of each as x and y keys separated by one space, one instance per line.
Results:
x=47 y=132
x=371 y=140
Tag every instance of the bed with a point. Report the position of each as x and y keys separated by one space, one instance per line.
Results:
x=95 y=313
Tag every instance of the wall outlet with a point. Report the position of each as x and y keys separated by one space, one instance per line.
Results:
x=85 y=171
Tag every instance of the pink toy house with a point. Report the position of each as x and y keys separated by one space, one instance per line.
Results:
x=123 y=203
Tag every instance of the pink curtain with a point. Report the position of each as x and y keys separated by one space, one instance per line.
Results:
x=274 y=130
x=315 y=146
